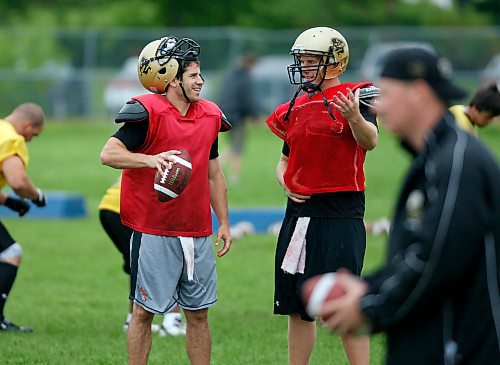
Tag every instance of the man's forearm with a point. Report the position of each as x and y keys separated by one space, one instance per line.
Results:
x=218 y=199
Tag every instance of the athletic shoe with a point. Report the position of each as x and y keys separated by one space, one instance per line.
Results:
x=178 y=328
x=6 y=326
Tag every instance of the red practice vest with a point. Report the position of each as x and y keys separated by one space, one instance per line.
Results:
x=190 y=213
x=324 y=156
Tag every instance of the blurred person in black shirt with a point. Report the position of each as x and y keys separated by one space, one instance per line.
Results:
x=238 y=103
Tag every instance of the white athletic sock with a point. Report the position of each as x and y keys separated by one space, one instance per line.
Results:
x=170 y=318
x=129 y=316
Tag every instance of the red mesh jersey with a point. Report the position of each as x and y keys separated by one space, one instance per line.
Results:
x=324 y=156
x=190 y=213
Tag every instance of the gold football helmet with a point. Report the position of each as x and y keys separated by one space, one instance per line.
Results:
x=163 y=59
x=320 y=41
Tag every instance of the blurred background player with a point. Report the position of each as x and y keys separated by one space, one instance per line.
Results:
x=25 y=122
x=109 y=215
x=172 y=259
x=437 y=294
x=482 y=109
x=237 y=102
x=326 y=133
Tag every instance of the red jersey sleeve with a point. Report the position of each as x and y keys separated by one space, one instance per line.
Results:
x=276 y=121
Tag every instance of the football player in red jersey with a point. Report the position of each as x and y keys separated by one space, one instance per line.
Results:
x=326 y=132
x=172 y=261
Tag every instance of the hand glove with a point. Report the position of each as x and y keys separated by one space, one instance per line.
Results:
x=41 y=201
x=18 y=205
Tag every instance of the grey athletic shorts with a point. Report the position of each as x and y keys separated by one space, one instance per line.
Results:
x=159 y=278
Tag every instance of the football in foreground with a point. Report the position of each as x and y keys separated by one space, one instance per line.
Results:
x=318 y=290
x=172 y=182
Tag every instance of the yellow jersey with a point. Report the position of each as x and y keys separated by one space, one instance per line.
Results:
x=11 y=144
x=111 y=199
x=462 y=119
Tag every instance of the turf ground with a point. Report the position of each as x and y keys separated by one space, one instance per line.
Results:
x=71 y=288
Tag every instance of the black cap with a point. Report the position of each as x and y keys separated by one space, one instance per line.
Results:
x=413 y=63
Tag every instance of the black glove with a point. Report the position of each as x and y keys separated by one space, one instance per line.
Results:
x=41 y=201
x=18 y=205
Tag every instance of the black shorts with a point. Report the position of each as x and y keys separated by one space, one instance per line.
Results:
x=5 y=238
x=331 y=243
x=118 y=233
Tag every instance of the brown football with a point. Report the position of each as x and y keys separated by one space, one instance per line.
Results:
x=173 y=181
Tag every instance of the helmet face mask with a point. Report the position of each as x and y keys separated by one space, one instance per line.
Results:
x=163 y=60
x=183 y=49
x=329 y=45
x=303 y=70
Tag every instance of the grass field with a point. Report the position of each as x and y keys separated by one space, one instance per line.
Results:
x=71 y=289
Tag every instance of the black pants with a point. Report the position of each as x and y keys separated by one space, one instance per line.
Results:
x=118 y=233
x=5 y=238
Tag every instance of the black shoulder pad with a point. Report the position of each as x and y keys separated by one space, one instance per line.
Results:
x=132 y=111
x=225 y=125
x=369 y=92
x=368 y=95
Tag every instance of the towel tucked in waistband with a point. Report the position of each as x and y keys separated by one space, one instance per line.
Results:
x=295 y=256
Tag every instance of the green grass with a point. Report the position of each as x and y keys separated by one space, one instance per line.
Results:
x=71 y=289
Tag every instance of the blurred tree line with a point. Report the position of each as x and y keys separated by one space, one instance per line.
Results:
x=29 y=27
x=277 y=14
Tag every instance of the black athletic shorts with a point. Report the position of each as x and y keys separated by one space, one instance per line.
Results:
x=118 y=233
x=331 y=243
x=5 y=238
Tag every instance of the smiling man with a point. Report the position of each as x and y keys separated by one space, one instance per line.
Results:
x=172 y=261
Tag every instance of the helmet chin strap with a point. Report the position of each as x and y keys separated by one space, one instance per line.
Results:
x=184 y=91
x=311 y=88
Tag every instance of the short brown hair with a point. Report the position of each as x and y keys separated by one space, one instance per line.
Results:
x=487 y=99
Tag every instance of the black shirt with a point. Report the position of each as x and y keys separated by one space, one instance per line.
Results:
x=437 y=295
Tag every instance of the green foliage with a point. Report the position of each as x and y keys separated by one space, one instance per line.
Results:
x=132 y=13
x=278 y=14
x=34 y=32
x=302 y=14
x=29 y=47
x=491 y=7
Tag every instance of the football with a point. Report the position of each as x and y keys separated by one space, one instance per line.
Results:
x=319 y=289
x=172 y=182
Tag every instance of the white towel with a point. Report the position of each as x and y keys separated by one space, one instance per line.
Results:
x=295 y=256
x=187 y=244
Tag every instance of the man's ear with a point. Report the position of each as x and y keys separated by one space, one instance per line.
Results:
x=174 y=82
x=26 y=124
